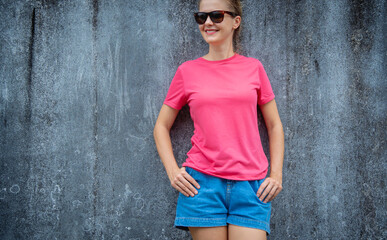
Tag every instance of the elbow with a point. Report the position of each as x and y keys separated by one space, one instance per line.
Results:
x=155 y=129
x=275 y=127
x=159 y=127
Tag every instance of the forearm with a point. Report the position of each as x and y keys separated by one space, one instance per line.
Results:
x=276 y=140
x=164 y=148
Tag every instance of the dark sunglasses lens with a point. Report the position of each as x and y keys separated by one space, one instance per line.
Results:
x=216 y=17
x=200 y=17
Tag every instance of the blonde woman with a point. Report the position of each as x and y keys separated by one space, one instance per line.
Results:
x=223 y=189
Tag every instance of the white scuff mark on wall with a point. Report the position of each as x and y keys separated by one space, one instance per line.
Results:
x=150 y=111
x=14 y=189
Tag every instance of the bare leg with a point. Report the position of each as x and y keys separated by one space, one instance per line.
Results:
x=209 y=233
x=237 y=232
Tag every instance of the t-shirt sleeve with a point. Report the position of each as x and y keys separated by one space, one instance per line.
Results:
x=176 y=97
x=265 y=92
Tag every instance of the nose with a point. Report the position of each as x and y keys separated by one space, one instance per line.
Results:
x=208 y=21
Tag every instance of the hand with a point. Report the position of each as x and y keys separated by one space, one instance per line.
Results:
x=181 y=181
x=270 y=188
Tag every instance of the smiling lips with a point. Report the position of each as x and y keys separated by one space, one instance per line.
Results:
x=210 y=31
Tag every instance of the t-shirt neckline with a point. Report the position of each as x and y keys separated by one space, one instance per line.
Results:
x=219 y=61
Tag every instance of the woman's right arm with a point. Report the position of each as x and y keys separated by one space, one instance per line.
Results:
x=161 y=132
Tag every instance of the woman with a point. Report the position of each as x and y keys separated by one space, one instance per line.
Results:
x=223 y=190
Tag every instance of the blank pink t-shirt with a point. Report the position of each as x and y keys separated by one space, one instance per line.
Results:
x=223 y=96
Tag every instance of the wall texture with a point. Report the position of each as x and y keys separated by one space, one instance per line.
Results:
x=82 y=83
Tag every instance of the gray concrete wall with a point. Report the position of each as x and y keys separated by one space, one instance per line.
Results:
x=82 y=83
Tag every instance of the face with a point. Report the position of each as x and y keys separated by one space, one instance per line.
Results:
x=221 y=32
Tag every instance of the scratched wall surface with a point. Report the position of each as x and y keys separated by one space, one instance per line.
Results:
x=82 y=83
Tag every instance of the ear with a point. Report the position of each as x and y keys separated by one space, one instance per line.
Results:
x=237 y=22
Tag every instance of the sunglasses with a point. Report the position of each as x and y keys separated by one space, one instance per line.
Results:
x=215 y=16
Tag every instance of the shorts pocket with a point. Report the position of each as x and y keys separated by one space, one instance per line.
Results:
x=190 y=171
x=199 y=177
x=255 y=184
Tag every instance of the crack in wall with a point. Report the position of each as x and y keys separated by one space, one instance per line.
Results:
x=28 y=110
x=95 y=116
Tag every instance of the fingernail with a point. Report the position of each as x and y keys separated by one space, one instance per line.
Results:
x=196 y=192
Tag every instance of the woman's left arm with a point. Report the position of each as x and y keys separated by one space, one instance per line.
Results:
x=272 y=185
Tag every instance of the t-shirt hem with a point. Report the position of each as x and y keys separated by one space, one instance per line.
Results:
x=259 y=177
x=266 y=100
x=172 y=105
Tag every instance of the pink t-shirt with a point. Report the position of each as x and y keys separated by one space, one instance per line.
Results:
x=222 y=96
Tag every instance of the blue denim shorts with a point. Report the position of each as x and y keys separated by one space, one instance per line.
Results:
x=221 y=201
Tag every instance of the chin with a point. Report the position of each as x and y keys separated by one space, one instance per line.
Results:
x=210 y=40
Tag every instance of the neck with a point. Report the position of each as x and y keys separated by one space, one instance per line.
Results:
x=219 y=52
